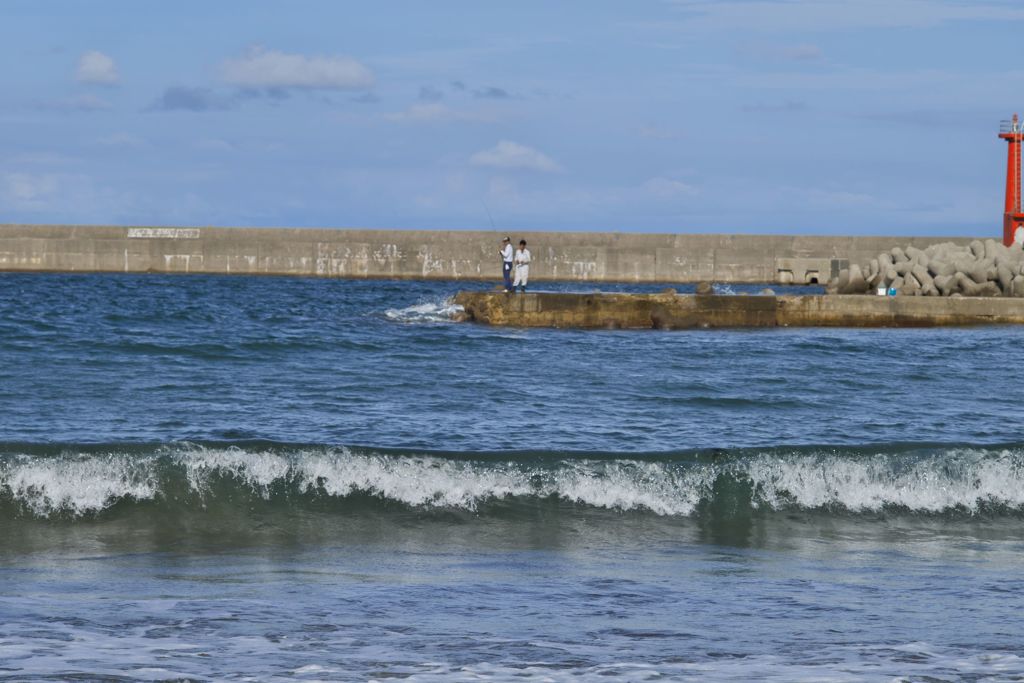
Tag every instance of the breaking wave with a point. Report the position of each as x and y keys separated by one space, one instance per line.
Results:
x=88 y=480
x=427 y=312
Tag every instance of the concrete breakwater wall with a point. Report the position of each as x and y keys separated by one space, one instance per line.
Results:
x=669 y=311
x=455 y=255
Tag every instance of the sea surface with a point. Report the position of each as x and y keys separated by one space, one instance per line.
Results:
x=270 y=479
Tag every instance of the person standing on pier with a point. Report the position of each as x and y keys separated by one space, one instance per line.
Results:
x=506 y=262
x=522 y=262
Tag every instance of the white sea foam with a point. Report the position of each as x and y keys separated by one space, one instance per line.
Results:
x=424 y=481
x=110 y=652
x=723 y=289
x=427 y=312
x=258 y=470
x=838 y=664
x=957 y=479
x=77 y=484
x=429 y=481
x=631 y=485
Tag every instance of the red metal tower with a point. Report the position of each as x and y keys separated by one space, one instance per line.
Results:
x=1013 y=218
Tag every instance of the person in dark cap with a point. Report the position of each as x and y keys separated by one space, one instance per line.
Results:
x=506 y=262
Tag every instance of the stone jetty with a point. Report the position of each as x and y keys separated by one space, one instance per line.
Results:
x=671 y=311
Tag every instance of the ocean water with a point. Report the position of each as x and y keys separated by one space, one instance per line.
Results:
x=270 y=479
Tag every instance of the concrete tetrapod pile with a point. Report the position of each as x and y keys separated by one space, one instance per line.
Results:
x=986 y=268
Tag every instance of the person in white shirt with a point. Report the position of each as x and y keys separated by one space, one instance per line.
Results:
x=522 y=262
x=506 y=262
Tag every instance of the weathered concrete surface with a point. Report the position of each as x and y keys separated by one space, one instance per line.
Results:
x=673 y=311
x=594 y=257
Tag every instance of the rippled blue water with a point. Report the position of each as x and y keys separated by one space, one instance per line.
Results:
x=209 y=478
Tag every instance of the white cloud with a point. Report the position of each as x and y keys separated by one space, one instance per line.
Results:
x=97 y=68
x=799 y=52
x=658 y=199
x=270 y=69
x=42 y=159
x=29 y=190
x=658 y=133
x=214 y=145
x=829 y=198
x=512 y=155
x=787 y=107
x=660 y=192
x=86 y=102
x=432 y=112
x=60 y=197
x=806 y=52
x=122 y=140
x=667 y=188
x=819 y=15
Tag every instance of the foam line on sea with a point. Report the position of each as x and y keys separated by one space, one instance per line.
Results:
x=85 y=481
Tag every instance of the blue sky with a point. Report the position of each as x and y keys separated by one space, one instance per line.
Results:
x=782 y=116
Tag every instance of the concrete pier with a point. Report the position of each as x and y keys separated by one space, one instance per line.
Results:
x=449 y=255
x=671 y=311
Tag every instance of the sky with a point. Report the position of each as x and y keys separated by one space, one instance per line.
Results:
x=763 y=116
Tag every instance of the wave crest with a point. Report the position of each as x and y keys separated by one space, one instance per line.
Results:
x=77 y=485
x=427 y=312
x=964 y=479
x=967 y=480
